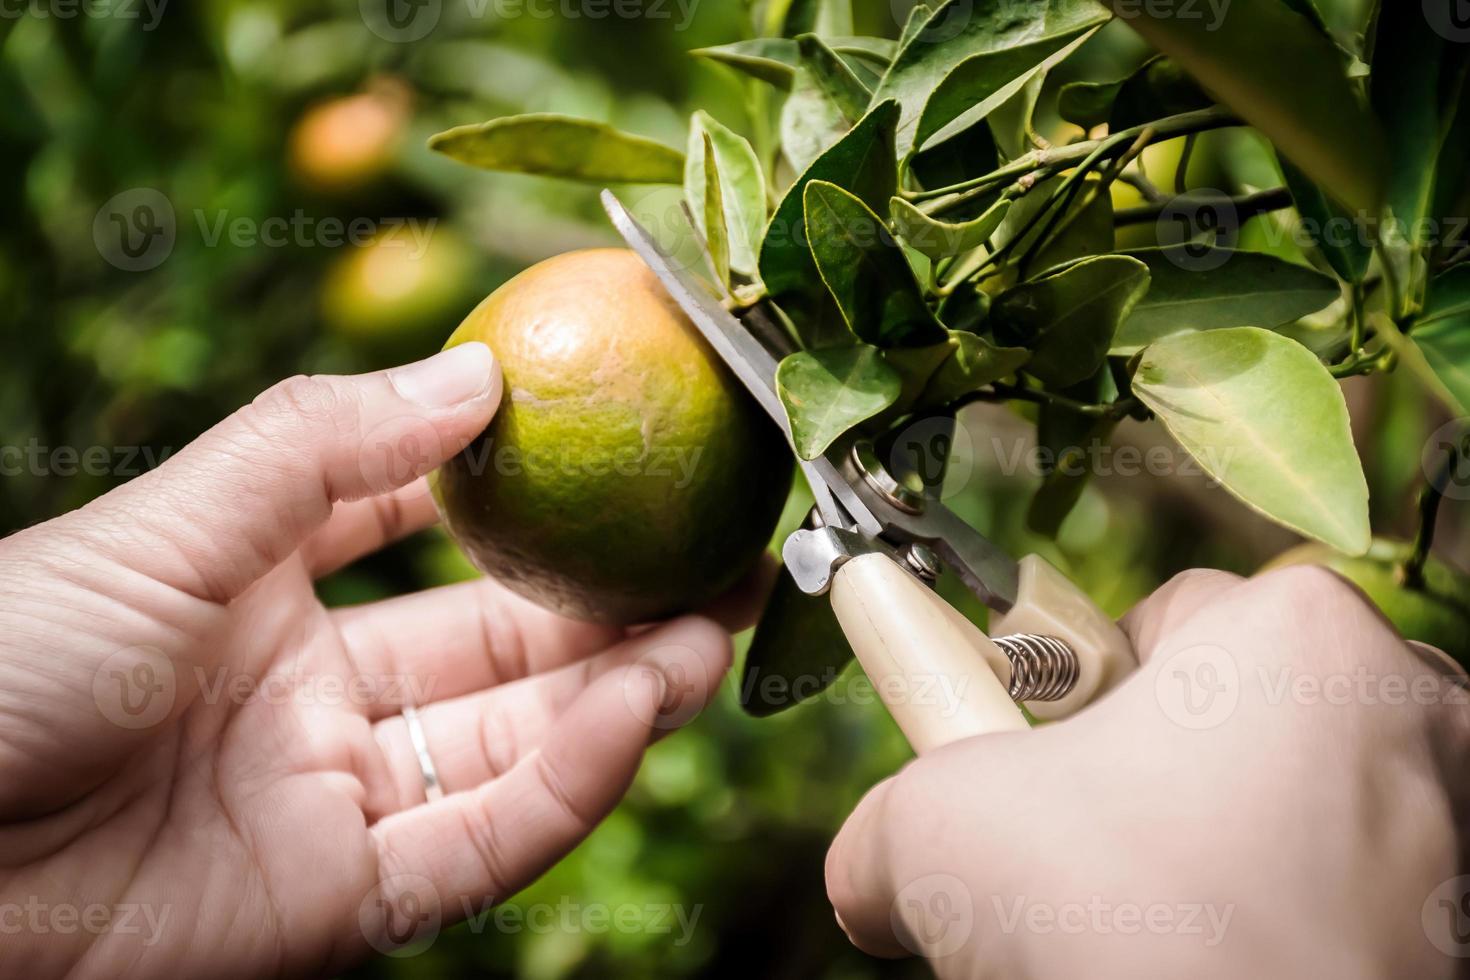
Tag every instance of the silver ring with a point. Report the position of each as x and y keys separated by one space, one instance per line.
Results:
x=432 y=788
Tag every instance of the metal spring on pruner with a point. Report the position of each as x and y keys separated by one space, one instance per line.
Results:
x=1043 y=668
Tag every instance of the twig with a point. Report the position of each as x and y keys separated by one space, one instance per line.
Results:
x=1246 y=206
x=1412 y=570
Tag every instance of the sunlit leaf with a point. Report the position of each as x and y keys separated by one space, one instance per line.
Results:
x=774 y=60
x=834 y=78
x=866 y=272
x=1220 y=394
x=975 y=363
x=861 y=163
x=940 y=239
x=1196 y=288
x=742 y=187
x=1068 y=318
x=827 y=392
x=990 y=50
x=716 y=232
x=561 y=146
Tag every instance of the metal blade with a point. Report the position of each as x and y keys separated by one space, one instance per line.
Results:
x=746 y=358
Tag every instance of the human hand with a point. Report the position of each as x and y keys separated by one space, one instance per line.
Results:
x=187 y=735
x=1277 y=792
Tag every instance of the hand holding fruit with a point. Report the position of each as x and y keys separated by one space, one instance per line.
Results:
x=175 y=698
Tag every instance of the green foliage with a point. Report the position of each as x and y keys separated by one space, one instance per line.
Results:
x=797 y=652
x=1197 y=288
x=561 y=146
x=950 y=233
x=827 y=392
x=1220 y=394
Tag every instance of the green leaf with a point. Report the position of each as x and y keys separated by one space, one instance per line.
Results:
x=862 y=162
x=1156 y=89
x=939 y=239
x=975 y=363
x=835 y=79
x=1271 y=66
x=1197 y=288
x=1338 y=235
x=972 y=153
x=827 y=392
x=1220 y=394
x=1443 y=333
x=1068 y=317
x=1088 y=230
x=811 y=123
x=716 y=234
x=866 y=272
x=1416 y=85
x=742 y=188
x=774 y=60
x=561 y=146
x=1012 y=122
x=798 y=651
x=1066 y=438
x=990 y=50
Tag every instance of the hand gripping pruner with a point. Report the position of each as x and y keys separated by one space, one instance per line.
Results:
x=876 y=549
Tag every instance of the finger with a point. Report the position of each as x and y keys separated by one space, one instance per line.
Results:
x=239 y=499
x=492 y=840
x=474 y=739
x=860 y=882
x=461 y=638
x=360 y=527
x=1172 y=605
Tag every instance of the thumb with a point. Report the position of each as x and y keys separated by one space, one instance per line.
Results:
x=237 y=501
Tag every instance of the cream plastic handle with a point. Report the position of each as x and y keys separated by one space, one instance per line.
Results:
x=1050 y=604
x=933 y=668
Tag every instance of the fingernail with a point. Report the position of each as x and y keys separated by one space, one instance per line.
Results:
x=451 y=377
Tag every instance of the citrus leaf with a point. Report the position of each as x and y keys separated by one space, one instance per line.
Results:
x=1270 y=65
x=939 y=239
x=1006 y=43
x=1197 y=288
x=827 y=392
x=561 y=146
x=1157 y=88
x=797 y=652
x=862 y=162
x=742 y=187
x=975 y=363
x=1415 y=89
x=866 y=272
x=970 y=154
x=835 y=79
x=1068 y=318
x=1087 y=104
x=811 y=123
x=1220 y=395
x=1336 y=233
x=774 y=60
x=1066 y=439
x=716 y=233
x=1443 y=333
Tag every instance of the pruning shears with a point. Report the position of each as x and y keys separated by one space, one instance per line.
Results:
x=876 y=548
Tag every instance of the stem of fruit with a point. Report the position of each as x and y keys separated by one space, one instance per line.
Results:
x=1042 y=163
x=1412 y=570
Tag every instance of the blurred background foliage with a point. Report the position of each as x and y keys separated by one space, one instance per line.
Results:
x=294 y=109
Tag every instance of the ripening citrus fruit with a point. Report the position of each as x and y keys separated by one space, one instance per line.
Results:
x=401 y=283
x=627 y=475
x=1437 y=614
x=346 y=143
